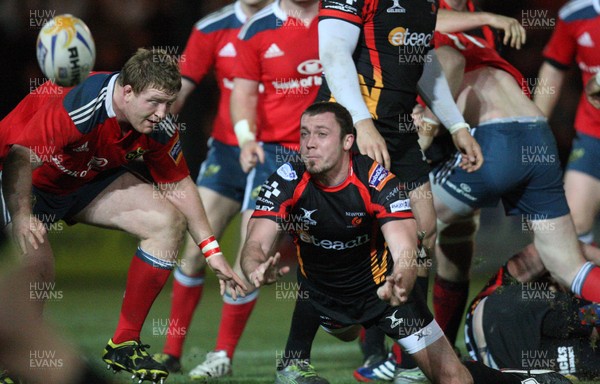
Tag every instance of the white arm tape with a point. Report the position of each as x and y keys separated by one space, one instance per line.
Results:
x=243 y=132
x=458 y=126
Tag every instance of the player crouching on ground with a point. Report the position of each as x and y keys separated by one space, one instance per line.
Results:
x=352 y=272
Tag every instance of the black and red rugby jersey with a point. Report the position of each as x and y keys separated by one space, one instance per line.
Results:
x=341 y=249
x=391 y=50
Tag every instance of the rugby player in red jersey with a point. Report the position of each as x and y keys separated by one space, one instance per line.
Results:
x=69 y=155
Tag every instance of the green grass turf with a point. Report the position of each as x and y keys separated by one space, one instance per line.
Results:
x=91 y=271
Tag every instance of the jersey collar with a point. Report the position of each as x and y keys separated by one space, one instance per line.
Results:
x=280 y=13
x=239 y=13
x=108 y=102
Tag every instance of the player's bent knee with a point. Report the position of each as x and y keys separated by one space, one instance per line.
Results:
x=170 y=225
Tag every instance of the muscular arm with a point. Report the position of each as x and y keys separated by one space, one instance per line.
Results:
x=337 y=41
x=551 y=78
x=453 y=21
x=244 y=99
x=184 y=196
x=256 y=264
x=16 y=185
x=401 y=238
x=434 y=89
x=187 y=87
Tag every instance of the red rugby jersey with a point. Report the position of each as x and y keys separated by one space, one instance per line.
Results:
x=281 y=52
x=212 y=44
x=576 y=39
x=77 y=136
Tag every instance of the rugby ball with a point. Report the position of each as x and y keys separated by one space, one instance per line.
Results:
x=65 y=50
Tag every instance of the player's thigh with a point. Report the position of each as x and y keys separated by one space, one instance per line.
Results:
x=583 y=196
x=134 y=206
x=219 y=208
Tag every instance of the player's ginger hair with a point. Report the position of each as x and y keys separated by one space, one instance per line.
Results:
x=151 y=68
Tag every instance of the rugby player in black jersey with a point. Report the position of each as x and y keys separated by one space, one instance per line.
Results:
x=357 y=244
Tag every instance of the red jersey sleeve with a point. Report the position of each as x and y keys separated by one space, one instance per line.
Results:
x=560 y=50
x=166 y=162
x=197 y=58
x=47 y=130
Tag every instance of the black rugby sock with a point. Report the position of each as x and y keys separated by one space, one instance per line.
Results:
x=305 y=323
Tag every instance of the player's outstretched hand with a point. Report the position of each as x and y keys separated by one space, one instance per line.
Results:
x=251 y=154
x=514 y=33
x=228 y=280
x=268 y=272
x=472 y=158
x=371 y=143
x=393 y=290
x=592 y=91
x=28 y=230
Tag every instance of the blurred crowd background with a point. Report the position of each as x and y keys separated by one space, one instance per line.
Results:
x=119 y=27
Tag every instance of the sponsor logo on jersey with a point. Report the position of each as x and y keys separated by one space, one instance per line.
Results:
x=378 y=176
x=271 y=189
x=348 y=6
x=175 y=152
x=396 y=8
x=336 y=245
x=356 y=221
x=394 y=193
x=97 y=162
x=138 y=152
x=585 y=40
x=228 y=50
x=273 y=51
x=589 y=68
x=356 y=214
x=403 y=36
x=297 y=86
x=306 y=218
x=310 y=67
x=287 y=172
x=264 y=208
x=82 y=148
x=263 y=200
x=400 y=205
